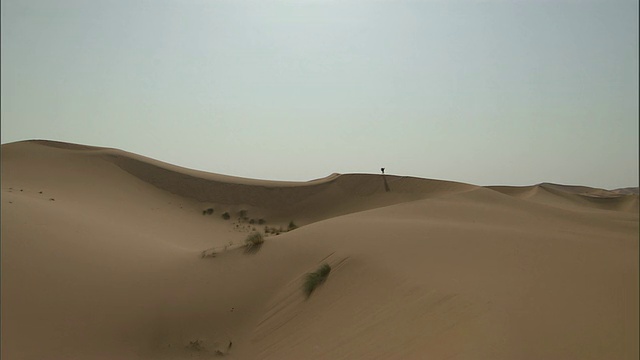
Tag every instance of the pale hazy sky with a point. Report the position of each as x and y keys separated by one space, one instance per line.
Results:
x=483 y=92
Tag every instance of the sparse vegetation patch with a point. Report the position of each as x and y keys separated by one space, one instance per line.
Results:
x=226 y=216
x=273 y=230
x=277 y=230
x=314 y=279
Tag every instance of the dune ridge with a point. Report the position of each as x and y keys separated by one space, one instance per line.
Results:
x=278 y=198
x=103 y=257
x=573 y=196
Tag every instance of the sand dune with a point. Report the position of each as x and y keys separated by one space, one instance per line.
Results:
x=102 y=259
x=579 y=197
x=628 y=190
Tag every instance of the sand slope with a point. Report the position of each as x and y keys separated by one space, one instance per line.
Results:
x=101 y=259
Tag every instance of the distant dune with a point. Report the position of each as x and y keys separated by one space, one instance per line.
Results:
x=112 y=255
x=628 y=190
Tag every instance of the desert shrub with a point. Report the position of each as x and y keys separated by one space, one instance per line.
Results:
x=254 y=239
x=210 y=211
x=195 y=345
x=226 y=216
x=292 y=226
x=261 y=221
x=204 y=212
x=242 y=214
x=252 y=221
x=314 y=279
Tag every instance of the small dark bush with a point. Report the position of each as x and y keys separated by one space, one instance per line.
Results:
x=252 y=221
x=261 y=221
x=255 y=239
x=226 y=216
x=195 y=345
x=314 y=279
x=209 y=211
x=292 y=226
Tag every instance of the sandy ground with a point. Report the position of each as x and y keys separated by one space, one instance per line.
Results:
x=102 y=258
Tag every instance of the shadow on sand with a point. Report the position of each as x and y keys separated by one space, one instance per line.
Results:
x=253 y=249
x=386 y=185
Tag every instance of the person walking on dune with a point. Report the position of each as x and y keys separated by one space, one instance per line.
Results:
x=382 y=169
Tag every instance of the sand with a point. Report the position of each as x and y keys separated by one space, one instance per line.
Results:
x=102 y=258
